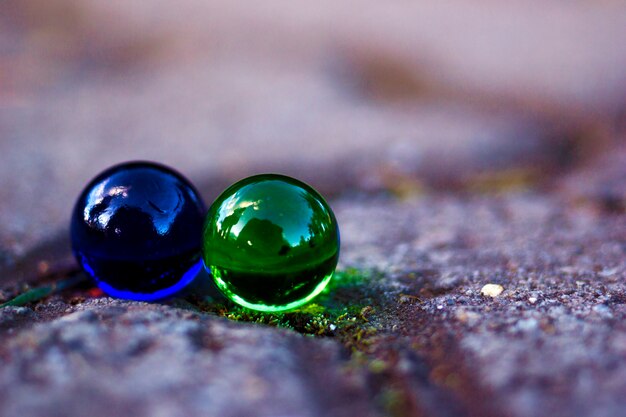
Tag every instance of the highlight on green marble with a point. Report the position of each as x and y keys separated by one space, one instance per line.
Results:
x=271 y=243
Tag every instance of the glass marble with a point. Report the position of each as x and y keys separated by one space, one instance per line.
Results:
x=136 y=229
x=270 y=242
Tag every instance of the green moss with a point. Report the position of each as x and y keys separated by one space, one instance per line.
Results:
x=393 y=401
x=333 y=314
x=314 y=319
x=377 y=366
x=31 y=295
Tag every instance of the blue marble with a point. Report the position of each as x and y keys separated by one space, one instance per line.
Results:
x=136 y=229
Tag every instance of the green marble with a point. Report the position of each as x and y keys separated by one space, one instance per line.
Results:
x=271 y=243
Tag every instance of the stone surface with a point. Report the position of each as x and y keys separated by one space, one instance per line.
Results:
x=547 y=357
x=461 y=145
x=110 y=358
x=601 y=183
x=423 y=339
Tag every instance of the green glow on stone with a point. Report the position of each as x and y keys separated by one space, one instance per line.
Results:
x=271 y=243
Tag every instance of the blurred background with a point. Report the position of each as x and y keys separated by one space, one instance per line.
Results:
x=348 y=96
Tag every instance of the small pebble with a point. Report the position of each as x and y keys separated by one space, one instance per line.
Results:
x=532 y=300
x=492 y=290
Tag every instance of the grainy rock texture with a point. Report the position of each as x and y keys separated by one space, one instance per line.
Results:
x=461 y=146
x=107 y=357
x=420 y=338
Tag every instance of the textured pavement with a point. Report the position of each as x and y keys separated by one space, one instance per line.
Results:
x=459 y=146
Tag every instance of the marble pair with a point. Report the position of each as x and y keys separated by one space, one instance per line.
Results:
x=142 y=232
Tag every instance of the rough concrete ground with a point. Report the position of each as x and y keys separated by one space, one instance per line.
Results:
x=416 y=336
x=448 y=167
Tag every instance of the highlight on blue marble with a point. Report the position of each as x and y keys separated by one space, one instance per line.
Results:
x=136 y=229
